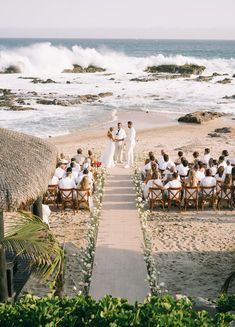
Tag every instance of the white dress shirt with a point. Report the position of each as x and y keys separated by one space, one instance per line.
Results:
x=182 y=170
x=67 y=183
x=206 y=158
x=173 y=184
x=151 y=184
x=79 y=159
x=59 y=172
x=54 y=181
x=199 y=175
x=208 y=181
x=120 y=134
x=131 y=136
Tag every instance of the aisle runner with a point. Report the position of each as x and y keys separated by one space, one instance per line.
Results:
x=119 y=267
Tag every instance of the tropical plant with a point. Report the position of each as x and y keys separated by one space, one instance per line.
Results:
x=227 y=283
x=30 y=238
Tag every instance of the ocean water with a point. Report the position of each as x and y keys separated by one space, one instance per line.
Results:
x=123 y=60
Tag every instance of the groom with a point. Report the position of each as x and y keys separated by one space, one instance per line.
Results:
x=130 y=142
x=120 y=136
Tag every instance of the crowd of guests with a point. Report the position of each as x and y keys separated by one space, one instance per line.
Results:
x=197 y=171
x=77 y=173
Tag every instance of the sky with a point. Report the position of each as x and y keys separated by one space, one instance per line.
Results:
x=171 y=19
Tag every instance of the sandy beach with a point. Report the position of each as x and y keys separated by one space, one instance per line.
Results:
x=193 y=252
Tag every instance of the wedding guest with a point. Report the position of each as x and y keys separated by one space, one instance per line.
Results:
x=192 y=180
x=219 y=176
x=179 y=159
x=60 y=171
x=212 y=166
x=183 y=168
x=228 y=168
x=161 y=160
x=84 y=186
x=54 y=180
x=225 y=154
x=146 y=169
x=130 y=140
x=206 y=156
x=154 y=182
x=68 y=181
x=174 y=183
x=222 y=162
x=196 y=157
x=120 y=136
x=199 y=174
x=208 y=180
x=80 y=158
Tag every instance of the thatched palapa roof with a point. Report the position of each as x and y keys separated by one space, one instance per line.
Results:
x=26 y=165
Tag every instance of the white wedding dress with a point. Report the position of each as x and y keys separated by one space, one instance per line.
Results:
x=107 y=158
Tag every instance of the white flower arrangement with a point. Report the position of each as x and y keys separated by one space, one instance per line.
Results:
x=153 y=277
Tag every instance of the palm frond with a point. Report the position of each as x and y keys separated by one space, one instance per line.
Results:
x=227 y=282
x=32 y=239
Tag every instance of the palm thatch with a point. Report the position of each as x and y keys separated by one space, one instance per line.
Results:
x=26 y=165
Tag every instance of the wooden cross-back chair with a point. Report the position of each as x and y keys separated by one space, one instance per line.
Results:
x=174 y=195
x=156 y=195
x=218 y=186
x=225 y=194
x=190 y=196
x=208 y=194
x=51 y=195
x=82 y=197
x=67 y=197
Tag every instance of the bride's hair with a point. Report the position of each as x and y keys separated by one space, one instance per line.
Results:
x=109 y=134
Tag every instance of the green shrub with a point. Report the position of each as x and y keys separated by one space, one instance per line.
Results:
x=113 y=312
x=226 y=303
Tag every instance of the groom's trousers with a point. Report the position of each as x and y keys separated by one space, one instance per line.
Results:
x=118 y=155
x=130 y=154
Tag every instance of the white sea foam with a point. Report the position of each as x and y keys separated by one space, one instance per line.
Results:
x=47 y=59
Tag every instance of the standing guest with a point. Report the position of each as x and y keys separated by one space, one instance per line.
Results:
x=206 y=157
x=120 y=136
x=60 y=171
x=130 y=144
x=79 y=157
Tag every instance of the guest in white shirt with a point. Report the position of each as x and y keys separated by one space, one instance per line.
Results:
x=228 y=168
x=54 y=181
x=196 y=157
x=88 y=173
x=225 y=154
x=75 y=171
x=120 y=136
x=68 y=181
x=222 y=162
x=183 y=168
x=206 y=156
x=208 y=180
x=180 y=157
x=60 y=171
x=174 y=183
x=212 y=166
x=76 y=166
x=80 y=158
x=130 y=140
x=154 y=182
x=219 y=176
x=199 y=174
x=167 y=164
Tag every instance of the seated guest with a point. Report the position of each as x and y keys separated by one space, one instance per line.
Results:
x=146 y=169
x=192 y=180
x=167 y=175
x=77 y=167
x=206 y=157
x=60 y=171
x=75 y=171
x=174 y=183
x=228 y=168
x=199 y=174
x=68 y=181
x=225 y=154
x=219 y=176
x=91 y=158
x=222 y=162
x=80 y=178
x=155 y=181
x=212 y=166
x=226 y=186
x=79 y=157
x=179 y=159
x=208 y=180
x=183 y=168
x=167 y=163
x=161 y=159
x=54 y=181
x=61 y=157
x=85 y=185
x=195 y=157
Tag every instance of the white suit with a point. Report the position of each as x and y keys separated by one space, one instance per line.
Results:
x=120 y=134
x=130 y=141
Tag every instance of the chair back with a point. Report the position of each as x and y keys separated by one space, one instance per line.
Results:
x=155 y=193
x=66 y=194
x=82 y=195
x=174 y=193
x=208 y=191
x=191 y=192
x=218 y=185
x=226 y=193
x=51 y=194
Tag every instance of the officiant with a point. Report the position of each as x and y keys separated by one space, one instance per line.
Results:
x=120 y=136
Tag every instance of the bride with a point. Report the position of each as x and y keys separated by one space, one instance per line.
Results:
x=107 y=158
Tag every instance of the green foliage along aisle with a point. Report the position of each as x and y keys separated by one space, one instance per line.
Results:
x=113 y=312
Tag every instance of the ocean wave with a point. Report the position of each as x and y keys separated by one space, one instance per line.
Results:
x=44 y=58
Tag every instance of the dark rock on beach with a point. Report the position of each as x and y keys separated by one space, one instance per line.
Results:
x=41 y=81
x=225 y=81
x=12 y=69
x=177 y=69
x=232 y=97
x=79 y=69
x=223 y=130
x=202 y=78
x=199 y=117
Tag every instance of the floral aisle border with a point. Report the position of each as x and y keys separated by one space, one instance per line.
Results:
x=156 y=287
x=89 y=252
